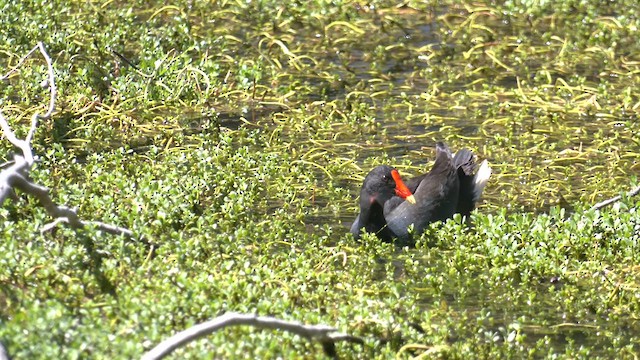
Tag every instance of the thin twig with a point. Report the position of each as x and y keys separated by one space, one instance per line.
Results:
x=22 y=60
x=614 y=199
x=128 y=62
x=53 y=91
x=322 y=333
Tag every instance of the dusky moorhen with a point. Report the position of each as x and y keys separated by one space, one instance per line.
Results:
x=450 y=187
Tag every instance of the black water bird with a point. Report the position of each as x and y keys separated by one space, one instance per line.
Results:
x=450 y=187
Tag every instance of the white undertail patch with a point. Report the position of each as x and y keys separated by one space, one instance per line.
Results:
x=481 y=179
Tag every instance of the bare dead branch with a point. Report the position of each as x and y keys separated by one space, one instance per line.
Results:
x=614 y=199
x=108 y=228
x=322 y=333
x=53 y=91
x=25 y=145
x=15 y=176
x=8 y=175
x=12 y=178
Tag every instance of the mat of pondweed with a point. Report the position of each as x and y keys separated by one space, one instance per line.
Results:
x=234 y=137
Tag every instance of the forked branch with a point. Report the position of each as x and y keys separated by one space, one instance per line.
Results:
x=16 y=175
x=25 y=145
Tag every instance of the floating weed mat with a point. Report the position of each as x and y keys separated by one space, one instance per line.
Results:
x=234 y=136
x=549 y=103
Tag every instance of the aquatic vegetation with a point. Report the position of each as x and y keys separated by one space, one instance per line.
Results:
x=233 y=137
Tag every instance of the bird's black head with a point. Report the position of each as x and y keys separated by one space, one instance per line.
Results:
x=381 y=184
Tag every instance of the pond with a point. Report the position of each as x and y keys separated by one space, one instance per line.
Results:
x=497 y=84
x=235 y=138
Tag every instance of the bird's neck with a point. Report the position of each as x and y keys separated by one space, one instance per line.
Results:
x=374 y=221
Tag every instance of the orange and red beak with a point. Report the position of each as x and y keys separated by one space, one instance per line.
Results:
x=401 y=189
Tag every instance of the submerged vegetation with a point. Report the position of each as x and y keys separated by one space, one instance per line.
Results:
x=233 y=136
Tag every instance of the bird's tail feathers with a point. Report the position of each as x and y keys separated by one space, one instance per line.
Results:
x=481 y=179
x=464 y=160
x=443 y=153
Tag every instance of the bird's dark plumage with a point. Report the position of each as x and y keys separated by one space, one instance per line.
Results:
x=450 y=187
